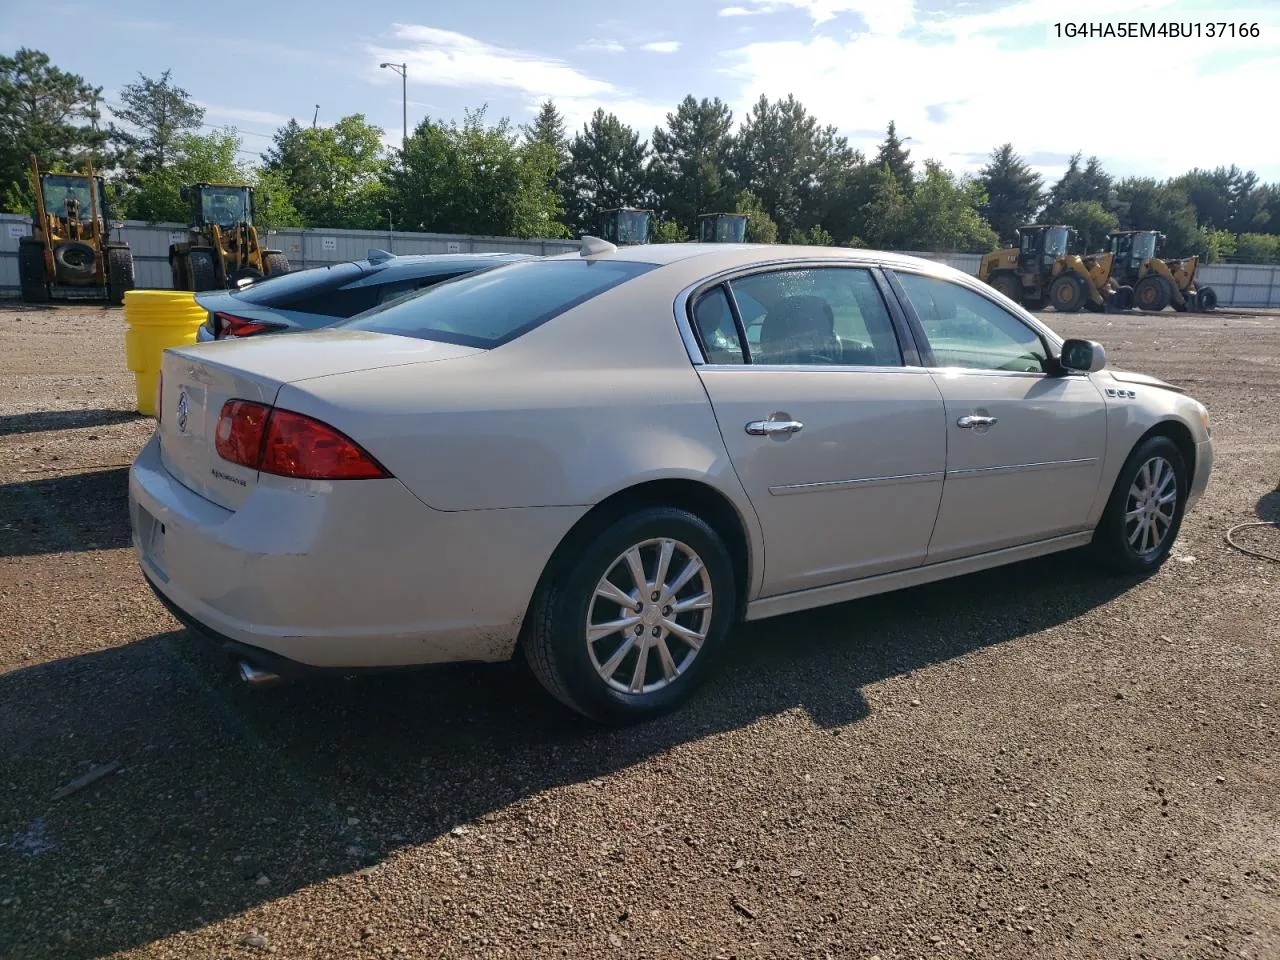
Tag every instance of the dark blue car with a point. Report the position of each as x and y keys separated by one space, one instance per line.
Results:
x=310 y=299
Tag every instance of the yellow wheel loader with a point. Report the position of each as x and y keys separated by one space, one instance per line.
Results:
x=624 y=226
x=222 y=249
x=1144 y=280
x=70 y=253
x=1039 y=270
x=722 y=228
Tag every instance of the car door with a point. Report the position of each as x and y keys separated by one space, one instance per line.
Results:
x=837 y=441
x=1024 y=447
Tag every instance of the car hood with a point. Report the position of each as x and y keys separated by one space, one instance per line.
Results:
x=1142 y=379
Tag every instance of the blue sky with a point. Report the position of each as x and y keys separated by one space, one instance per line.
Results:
x=958 y=76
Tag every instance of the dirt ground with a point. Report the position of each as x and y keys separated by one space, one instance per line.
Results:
x=1035 y=761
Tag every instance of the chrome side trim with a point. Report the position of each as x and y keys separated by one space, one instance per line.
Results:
x=1023 y=467
x=786 y=490
x=885 y=582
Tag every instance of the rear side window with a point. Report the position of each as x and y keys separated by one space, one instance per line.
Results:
x=491 y=308
x=716 y=329
x=284 y=292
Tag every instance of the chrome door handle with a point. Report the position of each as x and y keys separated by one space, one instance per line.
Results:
x=971 y=421
x=773 y=428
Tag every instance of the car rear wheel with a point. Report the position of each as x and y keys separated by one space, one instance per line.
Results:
x=1144 y=513
x=630 y=625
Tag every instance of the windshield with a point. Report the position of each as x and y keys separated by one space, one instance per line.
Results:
x=59 y=188
x=225 y=206
x=1144 y=246
x=723 y=229
x=491 y=308
x=625 y=227
x=1055 y=241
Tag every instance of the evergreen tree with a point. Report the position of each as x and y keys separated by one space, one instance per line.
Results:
x=896 y=157
x=157 y=113
x=689 y=172
x=1013 y=192
x=606 y=170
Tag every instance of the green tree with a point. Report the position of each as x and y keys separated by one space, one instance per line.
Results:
x=548 y=128
x=1078 y=184
x=157 y=112
x=606 y=170
x=197 y=158
x=1013 y=192
x=1258 y=248
x=760 y=226
x=47 y=112
x=896 y=157
x=886 y=217
x=815 y=236
x=1147 y=204
x=798 y=169
x=942 y=214
x=474 y=178
x=1218 y=245
x=334 y=174
x=1091 y=220
x=690 y=167
x=668 y=231
x=273 y=200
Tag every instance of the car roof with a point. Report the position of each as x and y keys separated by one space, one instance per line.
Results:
x=729 y=255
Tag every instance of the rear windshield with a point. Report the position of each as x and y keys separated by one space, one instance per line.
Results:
x=491 y=308
x=284 y=290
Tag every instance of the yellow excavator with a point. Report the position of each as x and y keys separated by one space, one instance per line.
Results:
x=1144 y=280
x=1040 y=269
x=70 y=252
x=221 y=249
x=722 y=228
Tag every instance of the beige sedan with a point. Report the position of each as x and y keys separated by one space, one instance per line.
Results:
x=603 y=461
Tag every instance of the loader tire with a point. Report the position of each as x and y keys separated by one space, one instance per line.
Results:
x=1009 y=285
x=1152 y=293
x=73 y=260
x=1122 y=299
x=178 y=274
x=119 y=273
x=31 y=278
x=1067 y=293
x=203 y=274
x=1207 y=298
x=277 y=263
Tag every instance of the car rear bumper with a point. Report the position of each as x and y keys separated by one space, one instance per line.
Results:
x=353 y=575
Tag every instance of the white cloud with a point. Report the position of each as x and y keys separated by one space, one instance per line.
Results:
x=738 y=11
x=662 y=46
x=235 y=115
x=603 y=46
x=943 y=80
x=642 y=115
x=445 y=58
x=820 y=11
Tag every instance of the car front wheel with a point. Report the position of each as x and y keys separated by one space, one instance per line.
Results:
x=630 y=625
x=1144 y=513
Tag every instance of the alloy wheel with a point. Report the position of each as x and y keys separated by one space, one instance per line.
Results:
x=1151 y=505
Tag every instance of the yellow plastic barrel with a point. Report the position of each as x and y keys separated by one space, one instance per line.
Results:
x=156 y=319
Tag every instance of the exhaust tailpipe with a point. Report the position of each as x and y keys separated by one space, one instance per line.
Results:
x=254 y=676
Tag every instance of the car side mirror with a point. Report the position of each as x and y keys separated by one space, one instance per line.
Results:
x=1082 y=356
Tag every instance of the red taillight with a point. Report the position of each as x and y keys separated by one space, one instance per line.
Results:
x=290 y=444
x=238 y=437
x=226 y=325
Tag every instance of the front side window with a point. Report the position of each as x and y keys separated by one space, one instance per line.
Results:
x=491 y=308
x=965 y=329
x=823 y=316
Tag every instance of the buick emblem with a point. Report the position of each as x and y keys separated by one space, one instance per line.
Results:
x=182 y=412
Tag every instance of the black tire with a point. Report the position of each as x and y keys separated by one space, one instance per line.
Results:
x=276 y=263
x=119 y=273
x=31 y=275
x=74 y=260
x=177 y=275
x=1067 y=293
x=555 y=644
x=1122 y=299
x=1008 y=284
x=1207 y=298
x=1112 y=538
x=1152 y=293
x=204 y=275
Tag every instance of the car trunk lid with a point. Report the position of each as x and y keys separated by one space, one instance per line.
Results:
x=198 y=380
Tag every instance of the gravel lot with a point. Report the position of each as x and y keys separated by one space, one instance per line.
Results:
x=1034 y=761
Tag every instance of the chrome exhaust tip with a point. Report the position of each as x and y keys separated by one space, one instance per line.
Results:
x=255 y=676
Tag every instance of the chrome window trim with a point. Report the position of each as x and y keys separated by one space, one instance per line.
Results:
x=684 y=300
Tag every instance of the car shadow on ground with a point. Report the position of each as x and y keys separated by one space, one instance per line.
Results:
x=1268 y=507
x=42 y=420
x=84 y=511
x=230 y=796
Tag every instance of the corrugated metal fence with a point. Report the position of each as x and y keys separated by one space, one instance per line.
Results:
x=1240 y=285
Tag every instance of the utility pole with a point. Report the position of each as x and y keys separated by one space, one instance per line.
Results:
x=403 y=70
x=391 y=227
x=315 y=117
